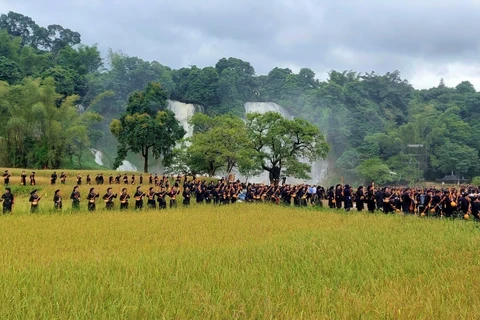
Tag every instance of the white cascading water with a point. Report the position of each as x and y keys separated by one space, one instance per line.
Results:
x=319 y=167
x=183 y=113
x=98 y=156
x=127 y=166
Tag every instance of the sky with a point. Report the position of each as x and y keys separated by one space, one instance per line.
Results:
x=425 y=40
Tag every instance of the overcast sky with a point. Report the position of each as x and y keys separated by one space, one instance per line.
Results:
x=424 y=39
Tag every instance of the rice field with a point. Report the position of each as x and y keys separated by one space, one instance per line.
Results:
x=242 y=261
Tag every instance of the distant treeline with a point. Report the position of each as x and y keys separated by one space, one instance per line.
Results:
x=378 y=126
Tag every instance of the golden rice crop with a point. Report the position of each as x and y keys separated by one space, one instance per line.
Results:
x=240 y=261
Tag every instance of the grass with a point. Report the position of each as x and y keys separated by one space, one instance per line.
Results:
x=243 y=261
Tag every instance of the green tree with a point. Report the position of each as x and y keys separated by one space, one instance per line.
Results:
x=220 y=142
x=374 y=169
x=282 y=144
x=147 y=127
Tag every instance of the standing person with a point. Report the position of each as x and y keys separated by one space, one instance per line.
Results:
x=173 y=197
x=150 y=179
x=138 y=198
x=186 y=196
x=75 y=196
x=141 y=179
x=32 y=179
x=6 y=178
x=371 y=199
x=89 y=180
x=63 y=177
x=7 y=199
x=79 y=179
x=162 y=203
x=57 y=200
x=108 y=198
x=151 y=198
x=338 y=196
x=360 y=199
x=125 y=179
x=133 y=179
x=23 y=179
x=101 y=179
x=91 y=199
x=110 y=179
x=53 y=178
x=347 y=197
x=124 y=199
x=331 y=197
x=34 y=199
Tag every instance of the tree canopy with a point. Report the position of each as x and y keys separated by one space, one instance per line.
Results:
x=366 y=118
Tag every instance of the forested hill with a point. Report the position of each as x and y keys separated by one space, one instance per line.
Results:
x=369 y=119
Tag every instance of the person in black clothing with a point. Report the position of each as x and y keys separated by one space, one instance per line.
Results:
x=406 y=201
x=89 y=180
x=108 y=198
x=23 y=179
x=63 y=177
x=6 y=178
x=347 y=197
x=151 y=198
x=338 y=196
x=7 y=199
x=173 y=196
x=162 y=203
x=387 y=201
x=34 y=199
x=138 y=197
x=141 y=179
x=32 y=179
x=186 y=196
x=91 y=197
x=57 y=200
x=360 y=199
x=110 y=179
x=331 y=197
x=150 y=179
x=75 y=196
x=53 y=178
x=124 y=199
x=79 y=180
x=370 y=199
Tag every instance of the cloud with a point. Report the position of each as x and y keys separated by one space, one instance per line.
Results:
x=425 y=40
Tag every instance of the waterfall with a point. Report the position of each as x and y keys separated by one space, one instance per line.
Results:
x=319 y=169
x=263 y=107
x=98 y=156
x=127 y=166
x=183 y=113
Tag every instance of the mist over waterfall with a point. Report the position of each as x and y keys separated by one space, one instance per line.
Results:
x=319 y=170
x=183 y=113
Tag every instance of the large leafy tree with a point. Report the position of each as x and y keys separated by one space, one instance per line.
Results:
x=219 y=143
x=285 y=145
x=147 y=127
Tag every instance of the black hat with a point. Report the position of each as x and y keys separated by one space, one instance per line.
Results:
x=139 y=187
x=33 y=172
x=6 y=171
x=56 y=191
x=109 y=188
x=91 y=189
x=150 y=188
x=75 y=187
x=124 y=189
x=33 y=191
x=9 y=190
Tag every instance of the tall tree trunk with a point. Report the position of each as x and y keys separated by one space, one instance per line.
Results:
x=274 y=175
x=145 y=163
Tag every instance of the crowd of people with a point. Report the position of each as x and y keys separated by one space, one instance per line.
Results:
x=162 y=190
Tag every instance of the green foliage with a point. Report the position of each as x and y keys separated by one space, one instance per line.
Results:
x=282 y=144
x=147 y=127
x=35 y=131
x=220 y=143
x=374 y=169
